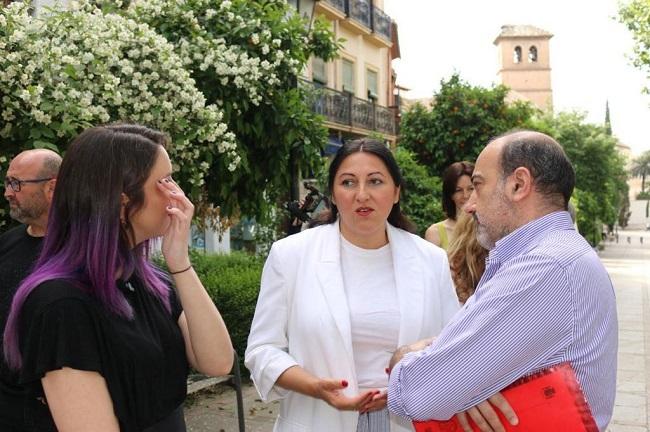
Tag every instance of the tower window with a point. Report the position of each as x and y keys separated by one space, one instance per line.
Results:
x=516 y=57
x=532 y=54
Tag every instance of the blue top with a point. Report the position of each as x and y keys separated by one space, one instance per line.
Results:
x=544 y=298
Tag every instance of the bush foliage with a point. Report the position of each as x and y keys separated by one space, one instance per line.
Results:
x=421 y=200
x=233 y=283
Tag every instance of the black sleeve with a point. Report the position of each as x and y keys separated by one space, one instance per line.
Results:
x=63 y=333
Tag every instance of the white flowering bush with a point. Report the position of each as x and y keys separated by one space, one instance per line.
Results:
x=70 y=69
x=245 y=56
x=250 y=47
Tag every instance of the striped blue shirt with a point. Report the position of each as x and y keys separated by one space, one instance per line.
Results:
x=544 y=298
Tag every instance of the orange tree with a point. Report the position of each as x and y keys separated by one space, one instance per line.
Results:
x=460 y=122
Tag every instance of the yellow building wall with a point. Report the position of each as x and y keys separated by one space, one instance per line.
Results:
x=365 y=55
x=360 y=48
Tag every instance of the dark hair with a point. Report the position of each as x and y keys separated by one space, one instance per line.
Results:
x=86 y=242
x=449 y=181
x=379 y=149
x=552 y=172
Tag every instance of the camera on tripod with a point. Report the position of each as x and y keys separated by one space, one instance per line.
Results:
x=303 y=210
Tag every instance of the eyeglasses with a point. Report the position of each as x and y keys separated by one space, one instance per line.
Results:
x=16 y=184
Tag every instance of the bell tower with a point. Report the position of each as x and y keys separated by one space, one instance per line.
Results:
x=524 y=64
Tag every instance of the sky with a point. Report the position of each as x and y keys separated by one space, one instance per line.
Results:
x=590 y=54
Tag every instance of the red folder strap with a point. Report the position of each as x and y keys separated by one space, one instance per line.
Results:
x=546 y=401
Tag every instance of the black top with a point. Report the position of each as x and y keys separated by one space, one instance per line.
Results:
x=142 y=360
x=18 y=252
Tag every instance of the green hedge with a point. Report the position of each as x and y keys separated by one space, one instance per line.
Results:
x=233 y=283
x=645 y=195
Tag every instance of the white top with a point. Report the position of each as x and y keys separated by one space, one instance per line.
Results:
x=369 y=281
x=302 y=319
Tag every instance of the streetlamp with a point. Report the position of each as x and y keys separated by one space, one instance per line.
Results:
x=306 y=9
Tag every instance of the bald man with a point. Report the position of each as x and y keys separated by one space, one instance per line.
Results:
x=29 y=187
x=545 y=298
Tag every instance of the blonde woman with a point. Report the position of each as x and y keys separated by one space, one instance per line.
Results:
x=466 y=257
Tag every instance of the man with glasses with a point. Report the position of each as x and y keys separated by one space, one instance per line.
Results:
x=29 y=187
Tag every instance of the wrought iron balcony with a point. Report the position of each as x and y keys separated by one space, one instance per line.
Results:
x=345 y=109
x=359 y=10
x=339 y=4
x=381 y=23
x=366 y=14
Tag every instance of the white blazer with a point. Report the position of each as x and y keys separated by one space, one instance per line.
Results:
x=302 y=318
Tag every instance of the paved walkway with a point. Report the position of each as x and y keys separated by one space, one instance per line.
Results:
x=629 y=267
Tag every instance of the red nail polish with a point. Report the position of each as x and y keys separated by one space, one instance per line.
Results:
x=344 y=383
x=387 y=370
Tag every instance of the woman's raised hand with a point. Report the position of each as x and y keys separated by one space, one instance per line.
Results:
x=175 y=241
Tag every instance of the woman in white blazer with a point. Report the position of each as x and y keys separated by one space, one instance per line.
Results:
x=337 y=300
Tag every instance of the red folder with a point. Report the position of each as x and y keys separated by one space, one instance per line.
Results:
x=546 y=401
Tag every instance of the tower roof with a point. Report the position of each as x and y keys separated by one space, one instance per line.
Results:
x=522 y=31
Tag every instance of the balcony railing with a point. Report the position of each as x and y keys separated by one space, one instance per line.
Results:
x=359 y=10
x=345 y=109
x=366 y=14
x=381 y=23
x=339 y=4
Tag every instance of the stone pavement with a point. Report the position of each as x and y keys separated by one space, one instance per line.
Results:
x=215 y=410
x=629 y=267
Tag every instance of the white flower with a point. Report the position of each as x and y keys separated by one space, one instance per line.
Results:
x=17 y=36
x=41 y=117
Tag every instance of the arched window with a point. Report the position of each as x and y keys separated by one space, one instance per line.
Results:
x=532 y=54
x=516 y=57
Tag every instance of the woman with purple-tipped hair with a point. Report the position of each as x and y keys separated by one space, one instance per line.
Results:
x=102 y=339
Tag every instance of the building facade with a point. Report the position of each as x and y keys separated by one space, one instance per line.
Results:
x=355 y=92
x=524 y=64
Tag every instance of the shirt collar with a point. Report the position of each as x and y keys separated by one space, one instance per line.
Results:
x=527 y=236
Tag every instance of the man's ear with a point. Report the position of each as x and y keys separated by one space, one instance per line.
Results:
x=521 y=184
x=49 y=189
